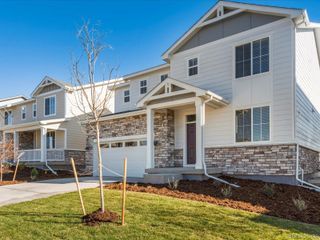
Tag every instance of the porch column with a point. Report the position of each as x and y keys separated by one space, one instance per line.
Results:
x=150 y=144
x=15 y=144
x=200 y=120
x=43 y=144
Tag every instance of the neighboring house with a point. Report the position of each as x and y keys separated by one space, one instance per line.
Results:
x=45 y=127
x=239 y=91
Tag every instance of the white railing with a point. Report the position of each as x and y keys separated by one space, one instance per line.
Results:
x=33 y=155
x=55 y=155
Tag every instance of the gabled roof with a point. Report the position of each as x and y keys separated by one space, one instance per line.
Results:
x=173 y=87
x=213 y=15
x=47 y=81
x=145 y=71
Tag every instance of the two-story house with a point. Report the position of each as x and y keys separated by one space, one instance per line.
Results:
x=238 y=95
x=45 y=127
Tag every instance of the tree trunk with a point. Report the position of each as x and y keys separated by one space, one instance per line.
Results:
x=100 y=168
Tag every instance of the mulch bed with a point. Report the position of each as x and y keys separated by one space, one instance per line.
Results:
x=24 y=175
x=98 y=217
x=250 y=197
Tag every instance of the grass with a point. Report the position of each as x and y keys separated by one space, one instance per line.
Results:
x=148 y=217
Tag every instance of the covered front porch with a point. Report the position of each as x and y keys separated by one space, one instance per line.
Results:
x=41 y=144
x=176 y=119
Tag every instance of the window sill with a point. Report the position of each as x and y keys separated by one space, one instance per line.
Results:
x=260 y=75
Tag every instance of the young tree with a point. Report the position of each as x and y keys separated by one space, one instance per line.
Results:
x=7 y=152
x=92 y=98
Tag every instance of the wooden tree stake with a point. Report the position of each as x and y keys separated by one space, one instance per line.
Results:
x=16 y=170
x=124 y=186
x=1 y=170
x=78 y=186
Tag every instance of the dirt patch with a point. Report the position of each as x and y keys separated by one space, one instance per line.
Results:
x=253 y=196
x=98 y=217
x=24 y=175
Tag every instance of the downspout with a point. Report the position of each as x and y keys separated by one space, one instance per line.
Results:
x=298 y=169
x=203 y=157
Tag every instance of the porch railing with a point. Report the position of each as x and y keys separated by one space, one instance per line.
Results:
x=55 y=155
x=33 y=155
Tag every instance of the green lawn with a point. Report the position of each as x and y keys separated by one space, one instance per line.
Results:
x=148 y=217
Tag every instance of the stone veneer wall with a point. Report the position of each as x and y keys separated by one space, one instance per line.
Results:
x=26 y=140
x=253 y=160
x=309 y=160
x=178 y=157
x=78 y=156
x=164 y=138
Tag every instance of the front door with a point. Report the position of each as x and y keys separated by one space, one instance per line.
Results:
x=191 y=143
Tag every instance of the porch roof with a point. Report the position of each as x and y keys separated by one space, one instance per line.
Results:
x=174 y=88
x=32 y=125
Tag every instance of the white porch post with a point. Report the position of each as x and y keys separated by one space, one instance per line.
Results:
x=15 y=144
x=43 y=144
x=150 y=145
x=200 y=120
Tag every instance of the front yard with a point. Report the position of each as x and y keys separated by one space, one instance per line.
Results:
x=148 y=217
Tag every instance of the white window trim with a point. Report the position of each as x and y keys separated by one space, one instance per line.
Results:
x=146 y=86
x=252 y=142
x=25 y=112
x=251 y=40
x=124 y=96
x=34 y=108
x=198 y=66
x=55 y=106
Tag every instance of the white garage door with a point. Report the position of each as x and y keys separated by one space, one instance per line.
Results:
x=114 y=153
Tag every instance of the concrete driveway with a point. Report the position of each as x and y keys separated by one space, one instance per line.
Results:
x=10 y=194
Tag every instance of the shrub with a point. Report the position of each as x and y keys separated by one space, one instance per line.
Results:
x=173 y=183
x=268 y=190
x=21 y=166
x=299 y=203
x=226 y=191
x=34 y=174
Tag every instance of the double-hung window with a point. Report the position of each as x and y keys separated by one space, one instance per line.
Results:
x=163 y=77
x=23 y=112
x=8 y=117
x=193 y=66
x=126 y=96
x=253 y=124
x=252 y=58
x=34 y=110
x=50 y=106
x=143 y=86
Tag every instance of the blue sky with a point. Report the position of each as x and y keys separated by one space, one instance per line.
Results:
x=38 y=37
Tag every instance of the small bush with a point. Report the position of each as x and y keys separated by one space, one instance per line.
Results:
x=299 y=203
x=226 y=191
x=34 y=174
x=268 y=190
x=173 y=183
x=21 y=166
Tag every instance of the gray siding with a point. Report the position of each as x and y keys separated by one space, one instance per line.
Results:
x=230 y=26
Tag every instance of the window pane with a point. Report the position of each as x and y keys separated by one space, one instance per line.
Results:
x=265 y=46
x=265 y=63
x=247 y=68
x=247 y=134
x=247 y=51
x=239 y=53
x=256 y=115
x=265 y=132
x=256 y=63
x=239 y=134
x=256 y=132
x=239 y=70
x=247 y=117
x=256 y=49
x=239 y=117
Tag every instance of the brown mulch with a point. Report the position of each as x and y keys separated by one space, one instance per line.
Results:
x=250 y=197
x=97 y=217
x=24 y=175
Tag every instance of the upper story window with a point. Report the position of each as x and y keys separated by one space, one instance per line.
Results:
x=252 y=58
x=126 y=96
x=143 y=86
x=34 y=110
x=8 y=118
x=23 y=112
x=253 y=124
x=50 y=106
x=163 y=77
x=193 y=66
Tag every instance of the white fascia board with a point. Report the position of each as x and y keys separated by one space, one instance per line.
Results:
x=145 y=71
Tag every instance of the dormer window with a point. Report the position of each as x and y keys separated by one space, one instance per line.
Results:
x=23 y=112
x=143 y=86
x=50 y=106
x=126 y=95
x=193 y=66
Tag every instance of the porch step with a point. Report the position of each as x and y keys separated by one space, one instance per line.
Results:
x=183 y=171
x=161 y=178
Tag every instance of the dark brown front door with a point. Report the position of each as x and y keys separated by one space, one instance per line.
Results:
x=191 y=143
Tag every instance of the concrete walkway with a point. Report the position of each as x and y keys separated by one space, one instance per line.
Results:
x=23 y=192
